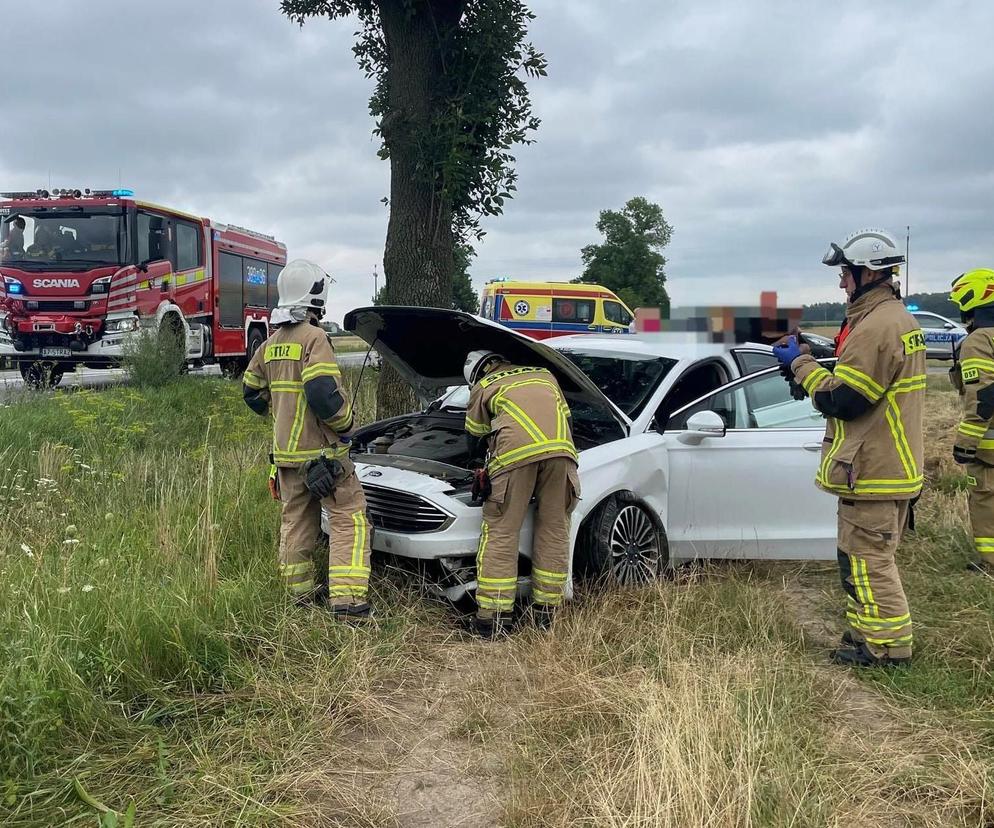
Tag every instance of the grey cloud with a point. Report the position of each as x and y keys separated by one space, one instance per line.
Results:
x=764 y=129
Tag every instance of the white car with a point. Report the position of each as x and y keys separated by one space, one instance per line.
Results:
x=941 y=334
x=686 y=451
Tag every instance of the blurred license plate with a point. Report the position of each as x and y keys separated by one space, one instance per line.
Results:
x=55 y=352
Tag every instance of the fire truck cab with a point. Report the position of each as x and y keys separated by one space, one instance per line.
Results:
x=83 y=273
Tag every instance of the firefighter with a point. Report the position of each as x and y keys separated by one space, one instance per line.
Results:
x=294 y=375
x=872 y=455
x=521 y=416
x=973 y=376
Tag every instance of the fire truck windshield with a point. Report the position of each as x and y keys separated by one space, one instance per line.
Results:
x=63 y=239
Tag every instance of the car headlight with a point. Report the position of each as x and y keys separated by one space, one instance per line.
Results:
x=100 y=285
x=122 y=325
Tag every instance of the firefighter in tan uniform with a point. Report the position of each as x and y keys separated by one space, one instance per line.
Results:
x=294 y=375
x=523 y=416
x=872 y=456
x=973 y=376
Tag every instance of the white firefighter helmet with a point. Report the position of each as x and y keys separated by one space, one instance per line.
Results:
x=873 y=249
x=476 y=362
x=303 y=284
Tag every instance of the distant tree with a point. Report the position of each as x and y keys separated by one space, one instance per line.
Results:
x=464 y=298
x=834 y=311
x=450 y=102
x=629 y=260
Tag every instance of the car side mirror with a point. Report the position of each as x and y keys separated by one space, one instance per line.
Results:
x=701 y=425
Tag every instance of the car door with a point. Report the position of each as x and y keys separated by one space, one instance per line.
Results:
x=748 y=492
x=940 y=334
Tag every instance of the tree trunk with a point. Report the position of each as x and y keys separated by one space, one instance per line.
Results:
x=418 y=257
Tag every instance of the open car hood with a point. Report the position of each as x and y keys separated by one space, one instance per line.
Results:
x=428 y=346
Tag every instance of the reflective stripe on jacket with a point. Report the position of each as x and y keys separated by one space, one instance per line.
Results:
x=524 y=413
x=976 y=365
x=294 y=376
x=878 y=454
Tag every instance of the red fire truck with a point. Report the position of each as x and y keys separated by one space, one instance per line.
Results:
x=83 y=273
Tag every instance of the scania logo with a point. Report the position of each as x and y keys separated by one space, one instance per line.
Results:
x=56 y=283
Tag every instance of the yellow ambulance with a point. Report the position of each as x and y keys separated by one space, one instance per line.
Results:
x=545 y=309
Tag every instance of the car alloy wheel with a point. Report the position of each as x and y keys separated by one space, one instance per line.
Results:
x=634 y=547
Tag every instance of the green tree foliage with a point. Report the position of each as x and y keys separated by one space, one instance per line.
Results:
x=450 y=103
x=464 y=297
x=629 y=260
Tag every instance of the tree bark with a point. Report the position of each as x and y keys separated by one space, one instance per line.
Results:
x=418 y=256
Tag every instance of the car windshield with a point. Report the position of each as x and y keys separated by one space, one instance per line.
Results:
x=63 y=239
x=628 y=380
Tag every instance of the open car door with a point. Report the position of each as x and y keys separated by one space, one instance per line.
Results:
x=742 y=463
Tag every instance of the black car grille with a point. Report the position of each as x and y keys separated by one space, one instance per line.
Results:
x=397 y=511
x=61 y=306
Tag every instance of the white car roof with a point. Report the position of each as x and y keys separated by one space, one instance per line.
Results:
x=673 y=346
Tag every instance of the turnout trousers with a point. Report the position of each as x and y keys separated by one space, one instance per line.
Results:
x=877 y=611
x=348 y=554
x=980 y=496
x=555 y=486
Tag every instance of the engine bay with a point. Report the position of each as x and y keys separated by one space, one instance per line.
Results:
x=438 y=436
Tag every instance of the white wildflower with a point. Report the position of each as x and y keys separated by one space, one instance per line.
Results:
x=25 y=549
x=70 y=542
x=62 y=590
x=101 y=562
x=87 y=587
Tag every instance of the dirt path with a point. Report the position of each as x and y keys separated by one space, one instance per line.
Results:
x=429 y=776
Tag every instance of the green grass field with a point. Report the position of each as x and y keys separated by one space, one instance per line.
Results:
x=148 y=660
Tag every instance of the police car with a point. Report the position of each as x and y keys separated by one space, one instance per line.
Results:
x=941 y=334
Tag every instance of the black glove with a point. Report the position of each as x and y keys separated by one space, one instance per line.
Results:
x=964 y=455
x=321 y=476
x=481 y=485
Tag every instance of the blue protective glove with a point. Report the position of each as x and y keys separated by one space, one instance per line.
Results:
x=787 y=352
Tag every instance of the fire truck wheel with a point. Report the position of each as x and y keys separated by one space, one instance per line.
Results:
x=38 y=375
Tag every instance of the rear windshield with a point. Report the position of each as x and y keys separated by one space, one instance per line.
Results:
x=629 y=381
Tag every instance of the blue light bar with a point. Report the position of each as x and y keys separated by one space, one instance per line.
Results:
x=14 y=287
x=912 y=308
x=122 y=193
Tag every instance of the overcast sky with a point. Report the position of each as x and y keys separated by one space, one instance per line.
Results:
x=764 y=129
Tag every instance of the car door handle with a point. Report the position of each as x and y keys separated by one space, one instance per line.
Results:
x=811 y=446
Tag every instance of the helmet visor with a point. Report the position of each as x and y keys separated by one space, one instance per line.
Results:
x=834 y=257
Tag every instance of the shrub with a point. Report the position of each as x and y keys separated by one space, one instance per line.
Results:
x=156 y=358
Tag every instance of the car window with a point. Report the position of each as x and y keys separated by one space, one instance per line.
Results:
x=761 y=401
x=929 y=320
x=694 y=383
x=750 y=362
x=573 y=310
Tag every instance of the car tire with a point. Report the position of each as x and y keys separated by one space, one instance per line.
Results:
x=621 y=544
x=39 y=375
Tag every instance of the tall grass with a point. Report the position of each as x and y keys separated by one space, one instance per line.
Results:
x=147 y=652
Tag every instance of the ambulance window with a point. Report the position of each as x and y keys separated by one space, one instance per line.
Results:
x=188 y=247
x=274 y=275
x=153 y=238
x=573 y=310
x=615 y=312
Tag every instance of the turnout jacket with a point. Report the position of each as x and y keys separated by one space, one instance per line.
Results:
x=873 y=447
x=294 y=375
x=524 y=413
x=976 y=385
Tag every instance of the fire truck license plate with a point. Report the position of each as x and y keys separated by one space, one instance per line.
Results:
x=55 y=352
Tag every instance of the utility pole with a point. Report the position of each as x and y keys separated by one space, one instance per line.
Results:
x=376 y=283
x=907 y=261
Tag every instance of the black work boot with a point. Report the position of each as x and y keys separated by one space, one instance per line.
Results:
x=849 y=639
x=352 y=613
x=490 y=629
x=981 y=567
x=315 y=597
x=861 y=656
x=543 y=616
